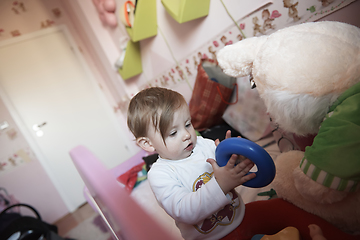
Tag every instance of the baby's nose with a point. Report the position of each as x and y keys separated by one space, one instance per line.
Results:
x=186 y=135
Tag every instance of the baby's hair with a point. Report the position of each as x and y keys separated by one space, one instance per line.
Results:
x=153 y=106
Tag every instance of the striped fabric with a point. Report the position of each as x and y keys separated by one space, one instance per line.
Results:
x=327 y=179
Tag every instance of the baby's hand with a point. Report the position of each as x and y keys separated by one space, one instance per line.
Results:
x=231 y=176
x=227 y=135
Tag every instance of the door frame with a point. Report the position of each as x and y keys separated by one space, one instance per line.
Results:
x=21 y=125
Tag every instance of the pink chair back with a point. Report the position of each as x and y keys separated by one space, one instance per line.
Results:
x=126 y=218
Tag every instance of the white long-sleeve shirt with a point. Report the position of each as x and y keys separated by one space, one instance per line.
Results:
x=188 y=192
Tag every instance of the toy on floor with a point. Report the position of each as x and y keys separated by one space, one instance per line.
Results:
x=291 y=233
x=252 y=151
x=309 y=78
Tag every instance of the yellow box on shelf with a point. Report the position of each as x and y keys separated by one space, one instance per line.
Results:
x=145 y=21
x=186 y=10
x=132 y=61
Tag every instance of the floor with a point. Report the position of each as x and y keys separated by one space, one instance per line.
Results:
x=71 y=220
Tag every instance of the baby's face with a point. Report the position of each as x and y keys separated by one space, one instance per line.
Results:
x=180 y=140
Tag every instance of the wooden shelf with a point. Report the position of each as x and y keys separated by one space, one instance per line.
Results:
x=145 y=21
x=186 y=10
x=132 y=62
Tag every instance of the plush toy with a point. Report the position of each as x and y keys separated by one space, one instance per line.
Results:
x=309 y=78
x=106 y=10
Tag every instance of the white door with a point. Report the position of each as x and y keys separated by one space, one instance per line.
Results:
x=47 y=87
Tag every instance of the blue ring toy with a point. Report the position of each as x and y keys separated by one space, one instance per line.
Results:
x=252 y=151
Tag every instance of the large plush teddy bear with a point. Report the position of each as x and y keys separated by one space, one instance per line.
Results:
x=309 y=78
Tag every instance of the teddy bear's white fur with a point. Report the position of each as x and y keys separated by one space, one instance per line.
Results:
x=300 y=71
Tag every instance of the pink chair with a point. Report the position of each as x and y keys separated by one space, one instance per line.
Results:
x=124 y=217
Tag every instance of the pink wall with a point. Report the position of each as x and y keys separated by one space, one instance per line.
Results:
x=185 y=39
x=23 y=176
x=27 y=180
x=349 y=14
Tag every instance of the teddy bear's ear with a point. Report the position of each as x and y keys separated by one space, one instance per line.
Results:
x=237 y=60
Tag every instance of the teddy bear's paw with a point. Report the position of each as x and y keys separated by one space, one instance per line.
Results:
x=285 y=164
x=315 y=192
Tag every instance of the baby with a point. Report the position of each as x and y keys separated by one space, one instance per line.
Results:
x=186 y=180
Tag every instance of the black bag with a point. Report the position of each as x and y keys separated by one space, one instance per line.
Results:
x=15 y=226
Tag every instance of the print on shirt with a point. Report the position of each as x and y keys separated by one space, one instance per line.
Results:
x=224 y=216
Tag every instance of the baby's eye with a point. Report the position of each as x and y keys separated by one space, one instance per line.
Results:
x=172 y=133
x=188 y=124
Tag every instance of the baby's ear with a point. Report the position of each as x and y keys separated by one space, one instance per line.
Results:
x=145 y=144
x=237 y=59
